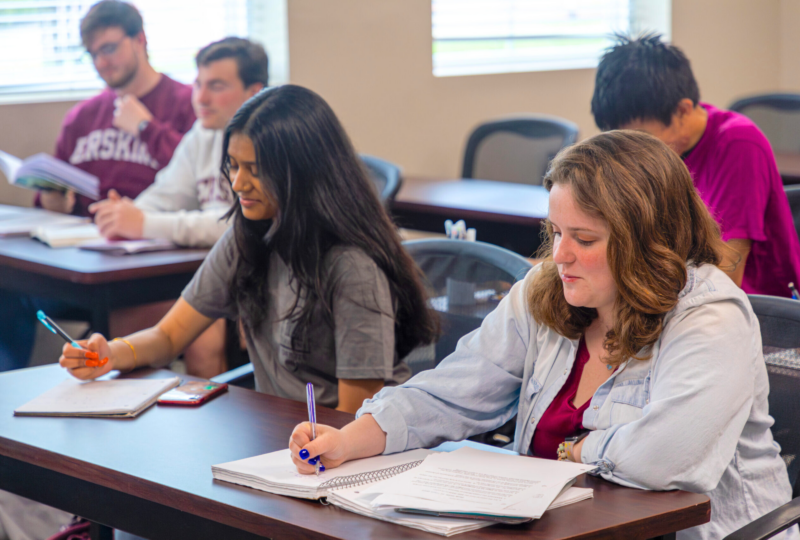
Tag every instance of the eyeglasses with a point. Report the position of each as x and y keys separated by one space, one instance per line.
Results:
x=106 y=50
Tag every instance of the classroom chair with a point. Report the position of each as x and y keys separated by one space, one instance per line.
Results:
x=779 y=319
x=386 y=175
x=793 y=194
x=516 y=149
x=477 y=269
x=778 y=116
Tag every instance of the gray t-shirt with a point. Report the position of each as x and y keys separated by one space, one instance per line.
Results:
x=359 y=346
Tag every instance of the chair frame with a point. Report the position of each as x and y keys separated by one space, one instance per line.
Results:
x=782 y=102
x=531 y=126
x=388 y=170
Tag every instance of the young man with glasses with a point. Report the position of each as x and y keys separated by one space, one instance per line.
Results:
x=128 y=132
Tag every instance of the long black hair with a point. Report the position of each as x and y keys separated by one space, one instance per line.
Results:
x=307 y=164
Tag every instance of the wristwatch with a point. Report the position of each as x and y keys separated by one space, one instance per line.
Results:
x=143 y=125
x=565 y=448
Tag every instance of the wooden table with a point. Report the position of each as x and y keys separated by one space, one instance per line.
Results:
x=789 y=167
x=503 y=213
x=95 y=281
x=151 y=476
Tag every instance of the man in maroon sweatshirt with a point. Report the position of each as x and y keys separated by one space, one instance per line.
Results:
x=128 y=132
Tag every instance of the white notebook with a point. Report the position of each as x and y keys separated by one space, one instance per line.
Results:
x=115 y=398
x=18 y=221
x=357 y=485
x=59 y=236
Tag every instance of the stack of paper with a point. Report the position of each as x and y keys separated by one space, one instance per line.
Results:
x=60 y=236
x=115 y=398
x=469 y=481
x=46 y=172
x=128 y=247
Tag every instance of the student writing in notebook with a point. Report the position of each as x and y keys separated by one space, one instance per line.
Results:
x=628 y=333
x=312 y=265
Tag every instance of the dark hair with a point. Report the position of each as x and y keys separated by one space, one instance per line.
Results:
x=657 y=224
x=641 y=79
x=324 y=197
x=251 y=58
x=109 y=13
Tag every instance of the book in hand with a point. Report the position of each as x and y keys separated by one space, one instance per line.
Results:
x=18 y=221
x=59 y=236
x=128 y=247
x=357 y=485
x=43 y=171
x=109 y=398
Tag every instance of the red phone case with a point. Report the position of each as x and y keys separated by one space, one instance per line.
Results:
x=192 y=393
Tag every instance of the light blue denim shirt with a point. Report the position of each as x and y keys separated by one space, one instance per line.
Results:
x=693 y=417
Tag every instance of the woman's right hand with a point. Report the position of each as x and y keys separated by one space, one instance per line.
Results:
x=330 y=445
x=88 y=365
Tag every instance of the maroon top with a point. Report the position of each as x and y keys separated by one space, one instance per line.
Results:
x=122 y=161
x=734 y=170
x=561 y=419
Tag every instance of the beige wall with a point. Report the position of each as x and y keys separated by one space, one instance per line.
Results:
x=372 y=61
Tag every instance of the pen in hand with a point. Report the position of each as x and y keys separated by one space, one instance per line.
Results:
x=312 y=419
x=92 y=358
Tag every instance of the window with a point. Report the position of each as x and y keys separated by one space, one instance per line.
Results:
x=472 y=37
x=42 y=58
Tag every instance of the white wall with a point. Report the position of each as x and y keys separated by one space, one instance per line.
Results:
x=372 y=61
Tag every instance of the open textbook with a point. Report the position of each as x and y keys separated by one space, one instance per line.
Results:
x=42 y=171
x=104 y=398
x=472 y=483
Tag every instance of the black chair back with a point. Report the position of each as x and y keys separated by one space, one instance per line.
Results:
x=386 y=176
x=516 y=149
x=793 y=194
x=779 y=319
x=476 y=274
x=778 y=116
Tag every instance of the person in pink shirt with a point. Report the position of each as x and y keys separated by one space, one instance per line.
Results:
x=648 y=85
x=128 y=132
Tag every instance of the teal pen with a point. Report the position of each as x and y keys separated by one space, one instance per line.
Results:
x=795 y=294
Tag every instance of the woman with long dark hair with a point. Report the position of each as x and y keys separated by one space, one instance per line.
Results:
x=312 y=265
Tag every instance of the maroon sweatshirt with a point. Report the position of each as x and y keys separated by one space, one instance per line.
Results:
x=120 y=160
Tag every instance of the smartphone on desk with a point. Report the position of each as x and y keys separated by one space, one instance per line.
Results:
x=192 y=393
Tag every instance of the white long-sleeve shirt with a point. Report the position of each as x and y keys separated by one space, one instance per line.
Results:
x=693 y=417
x=190 y=195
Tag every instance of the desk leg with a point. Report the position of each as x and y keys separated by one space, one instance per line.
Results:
x=100 y=532
x=101 y=311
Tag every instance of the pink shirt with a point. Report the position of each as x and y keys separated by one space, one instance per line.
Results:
x=122 y=161
x=734 y=170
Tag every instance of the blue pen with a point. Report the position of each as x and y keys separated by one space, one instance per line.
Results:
x=795 y=295
x=312 y=418
x=53 y=327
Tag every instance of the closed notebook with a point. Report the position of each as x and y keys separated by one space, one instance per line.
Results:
x=18 y=221
x=115 y=398
x=128 y=247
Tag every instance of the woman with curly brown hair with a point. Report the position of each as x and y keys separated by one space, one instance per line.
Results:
x=627 y=348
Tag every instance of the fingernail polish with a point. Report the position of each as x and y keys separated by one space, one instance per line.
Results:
x=104 y=361
x=313 y=461
x=92 y=363
x=304 y=454
x=91 y=354
x=321 y=468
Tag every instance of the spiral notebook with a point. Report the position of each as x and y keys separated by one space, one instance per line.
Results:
x=275 y=473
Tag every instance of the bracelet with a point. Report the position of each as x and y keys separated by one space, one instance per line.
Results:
x=132 y=350
x=565 y=448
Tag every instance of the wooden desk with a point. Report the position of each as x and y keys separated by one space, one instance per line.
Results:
x=95 y=281
x=151 y=476
x=503 y=213
x=789 y=167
